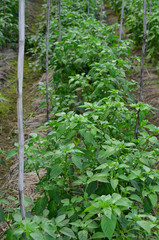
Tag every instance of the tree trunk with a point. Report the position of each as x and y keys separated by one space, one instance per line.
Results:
x=20 y=103
x=47 y=59
x=142 y=68
x=59 y=16
x=121 y=21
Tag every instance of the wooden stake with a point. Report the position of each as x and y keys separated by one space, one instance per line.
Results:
x=59 y=16
x=20 y=103
x=142 y=68
x=121 y=21
x=47 y=59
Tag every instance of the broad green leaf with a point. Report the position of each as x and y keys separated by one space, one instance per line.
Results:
x=136 y=198
x=153 y=198
x=2 y=162
x=60 y=218
x=37 y=235
x=2 y=217
x=83 y=235
x=33 y=135
x=154 y=140
x=68 y=232
x=107 y=212
x=11 y=153
x=146 y=225
x=114 y=183
x=98 y=235
x=108 y=226
x=60 y=131
x=77 y=161
x=56 y=170
x=147 y=205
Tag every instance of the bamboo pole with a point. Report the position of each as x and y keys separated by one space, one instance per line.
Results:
x=101 y=12
x=20 y=103
x=142 y=69
x=59 y=16
x=121 y=21
x=88 y=7
x=47 y=59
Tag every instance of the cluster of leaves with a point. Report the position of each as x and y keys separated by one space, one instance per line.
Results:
x=99 y=182
x=8 y=22
x=133 y=16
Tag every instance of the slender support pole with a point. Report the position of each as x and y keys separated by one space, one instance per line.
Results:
x=47 y=60
x=20 y=103
x=142 y=68
x=121 y=21
x=59 y=16
x=88 y=7
x=101 y=12
x=149 y=16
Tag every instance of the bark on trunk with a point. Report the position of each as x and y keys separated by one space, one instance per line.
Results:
x=142 y=68
x=20 y=103
x=47 y=59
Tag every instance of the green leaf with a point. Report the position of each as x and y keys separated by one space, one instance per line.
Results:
x=83 y=235
x=2 y=217
x=2 y=162
x=68 y=232
x=77 y=161
x=146 y=225
x=60 y=218
x=11 y=153
x=147 y=205
x=114 y=183
x=60 y=131
x=37 y=235
x=153 y=198
x=108 y=226
x=56 y=170
x=135 y=197
x=98 y=235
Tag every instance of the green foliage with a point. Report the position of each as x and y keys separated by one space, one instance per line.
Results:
x=133 y=17
x=8 y=22
x=99 y=181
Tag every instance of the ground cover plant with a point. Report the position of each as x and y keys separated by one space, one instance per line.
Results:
x=100 y=182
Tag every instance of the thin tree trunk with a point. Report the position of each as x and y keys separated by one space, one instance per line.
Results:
x=101 y=12
x=121 y=21
x=59 y=16
x=47 y=60
x=88 y=7
x=142 y=68
x=20 y=103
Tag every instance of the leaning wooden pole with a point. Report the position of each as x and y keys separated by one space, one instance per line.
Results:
x=121 y=21
x=20 y=103
x=142 y=68
x=47 y=60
